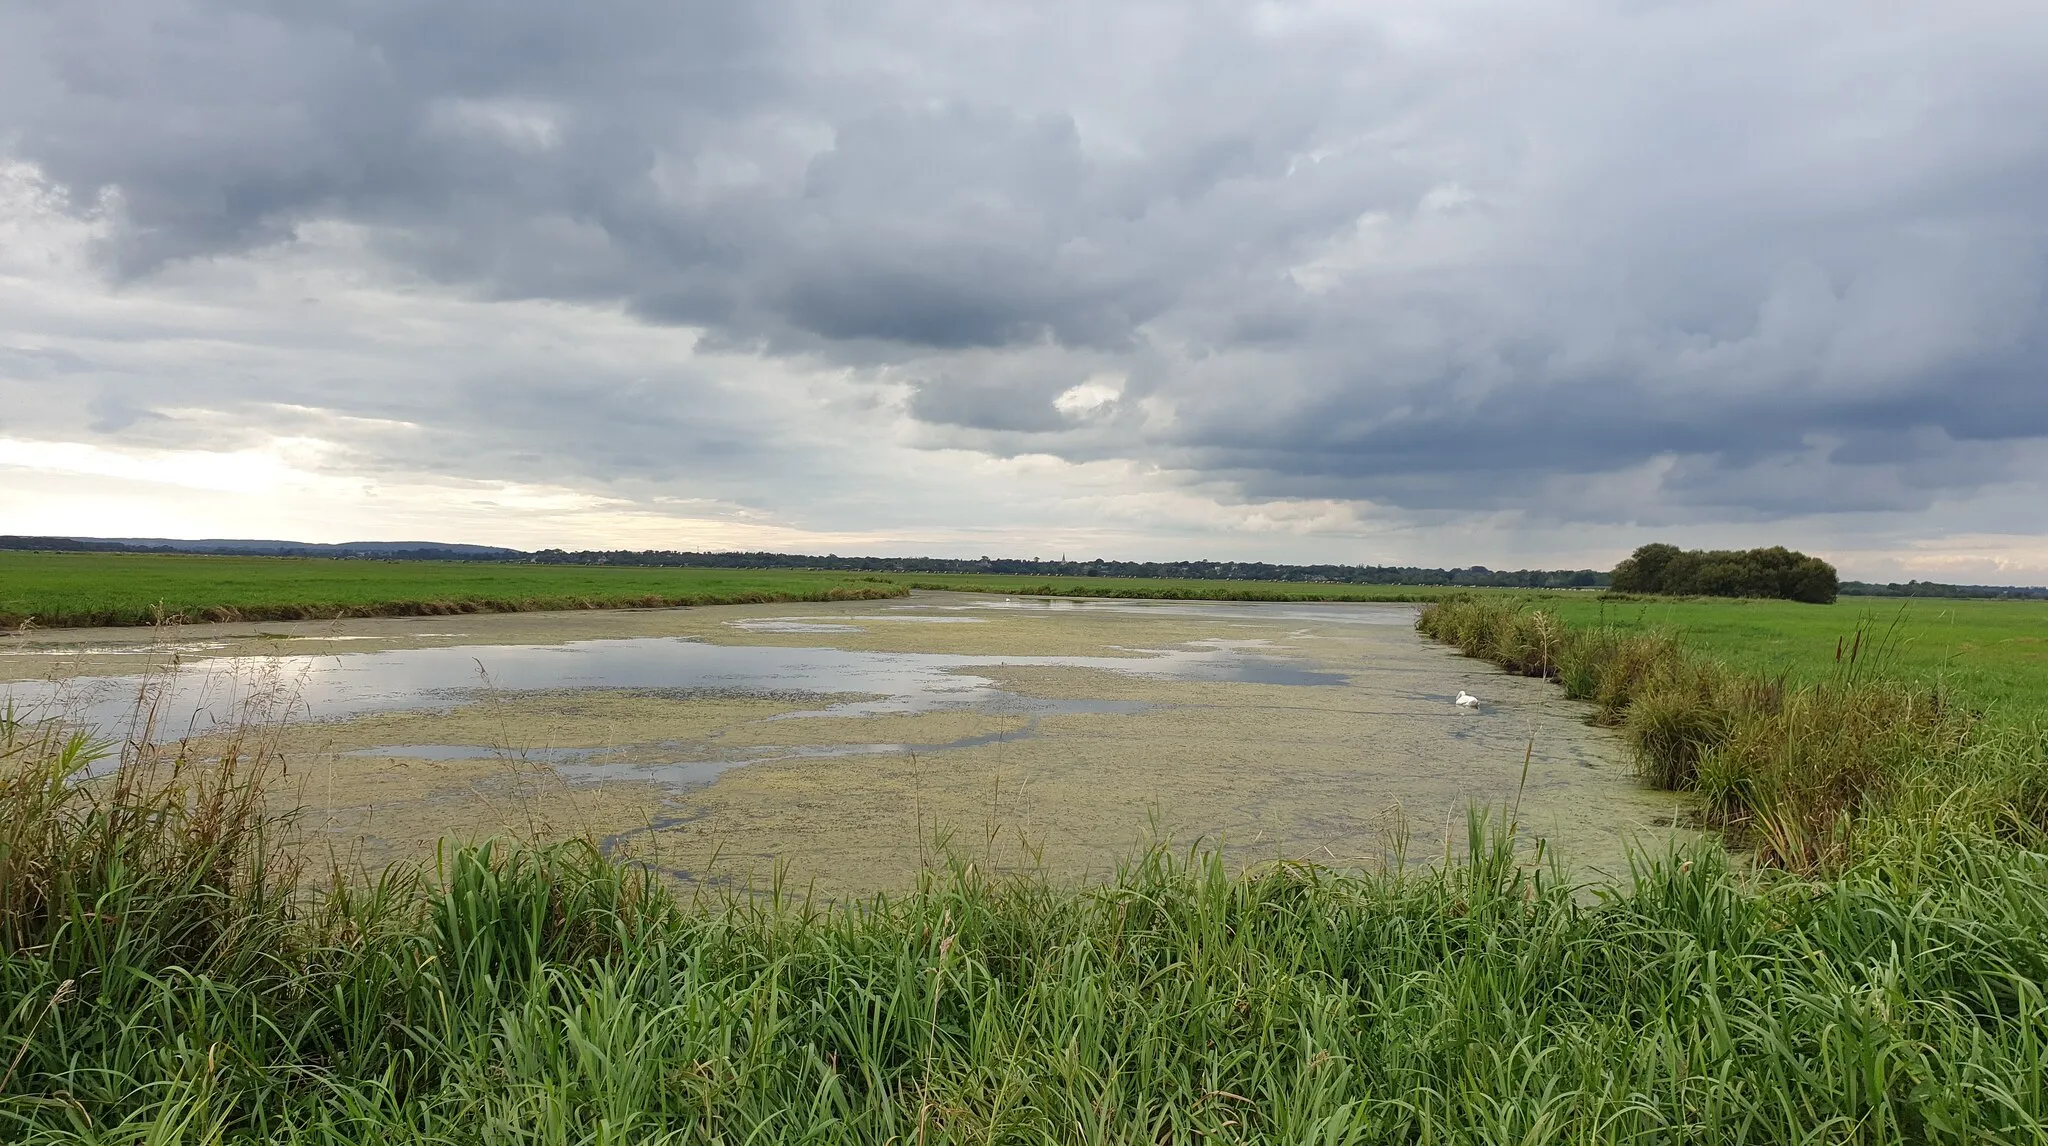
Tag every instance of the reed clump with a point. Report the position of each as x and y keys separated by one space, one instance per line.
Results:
x=169 y=860
x=1791 y=768
x=169 y=973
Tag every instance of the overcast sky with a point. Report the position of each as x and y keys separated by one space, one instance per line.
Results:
x=1444 y=283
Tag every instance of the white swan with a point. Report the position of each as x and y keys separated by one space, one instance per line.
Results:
x=1467 y=700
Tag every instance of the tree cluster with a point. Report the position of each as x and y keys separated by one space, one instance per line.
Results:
x=1776 y=572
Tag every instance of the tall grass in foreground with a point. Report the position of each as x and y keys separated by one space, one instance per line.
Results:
x=167 y=976
x=1807 y=773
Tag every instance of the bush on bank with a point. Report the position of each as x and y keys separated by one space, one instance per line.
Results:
x=1774 y=572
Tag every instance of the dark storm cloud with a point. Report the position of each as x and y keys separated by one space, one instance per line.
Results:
x=1001 y=405
x=1441 y=257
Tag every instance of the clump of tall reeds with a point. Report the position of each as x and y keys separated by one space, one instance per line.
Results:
x=162 y=858
x=1790 y=767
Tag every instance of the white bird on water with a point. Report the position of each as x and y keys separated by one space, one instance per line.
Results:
x=1467 y=700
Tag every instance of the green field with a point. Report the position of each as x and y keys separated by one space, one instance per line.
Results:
x=68 y=589
x=1994 y=652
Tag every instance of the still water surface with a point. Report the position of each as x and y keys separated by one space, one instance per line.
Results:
x=838 y=740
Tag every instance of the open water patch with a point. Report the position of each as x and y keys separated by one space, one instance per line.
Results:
x=200 y=696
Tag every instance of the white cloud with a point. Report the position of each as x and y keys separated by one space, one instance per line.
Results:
x=1089 y=397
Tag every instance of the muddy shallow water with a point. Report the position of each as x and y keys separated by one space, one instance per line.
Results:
x=840 y=740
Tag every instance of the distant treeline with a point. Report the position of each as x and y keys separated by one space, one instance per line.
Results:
x=1477 y=576
x=1776 y=572
x=1773 y=572
x=1936 y=589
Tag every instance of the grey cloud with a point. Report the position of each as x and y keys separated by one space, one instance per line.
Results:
x=626 y=428
x=223 y=125
x=113 y=413
x=42 y=362
x=1441 y=263
x=1003 y=406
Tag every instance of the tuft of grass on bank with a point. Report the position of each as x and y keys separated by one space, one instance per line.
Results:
x=52 y=590
x=169 y=974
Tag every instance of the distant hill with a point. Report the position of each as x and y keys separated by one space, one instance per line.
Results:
x=403 y=550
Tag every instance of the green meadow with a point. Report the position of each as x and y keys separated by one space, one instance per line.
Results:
x=1994 y=652
x=54 y=590
x=68 y=589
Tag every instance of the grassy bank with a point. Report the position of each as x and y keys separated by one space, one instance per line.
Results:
x=1809 y=768
x=54 y=590
x=167 y=976
x=1995 y=652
